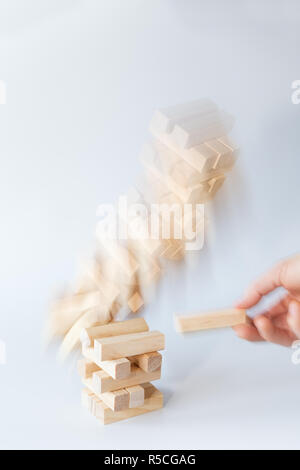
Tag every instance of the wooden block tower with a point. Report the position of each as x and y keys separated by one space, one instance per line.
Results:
x=186 y=162
x=120 y=360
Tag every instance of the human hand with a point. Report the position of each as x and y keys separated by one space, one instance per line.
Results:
x=281 y=323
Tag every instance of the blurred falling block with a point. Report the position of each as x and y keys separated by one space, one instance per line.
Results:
x=148 y=362
x=202 y=157
x=135 y=325
x=116 y=347
x=120 y=254
x=67 y=310
x=195 y=131
x=194 y=194
x=215 y=319
x=101 y=382
x=72 y=338
x=166 y=118
x=226 y=157
x=153 y=401
x=149 y=268
x=174 y=250
x=135 y=302
x=215 y=184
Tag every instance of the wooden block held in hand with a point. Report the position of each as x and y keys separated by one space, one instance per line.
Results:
x=214 y=319
x=115 y=347
x=136 y=325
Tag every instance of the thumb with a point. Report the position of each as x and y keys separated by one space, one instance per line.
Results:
x=293 y=317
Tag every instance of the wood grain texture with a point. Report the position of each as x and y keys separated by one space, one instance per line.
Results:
x=214 y=319
x=115 y=347
x=135 y=325
x=102 y=382
x=86 y=368
x=149 y=362
x=136 y=396
x=100 y=410
x=117 y=368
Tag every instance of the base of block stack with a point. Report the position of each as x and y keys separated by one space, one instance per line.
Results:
x=153 y=401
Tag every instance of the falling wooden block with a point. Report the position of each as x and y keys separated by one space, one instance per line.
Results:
x=215 y=184
x=226 y=157
x=174 y=249
x=149 y=362
x=72 y=338
x=135 y=302
x=165 y=119
x=86 y=368
x=115 y=347
x=68 y=309
x=149 y=268
x=197 y=130
x=135 y=325
x=120 y=254
x=136 y=396
x=214 y=319
x=102 y=382
x=154 y=401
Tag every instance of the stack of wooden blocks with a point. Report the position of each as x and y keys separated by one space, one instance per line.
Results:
x=120 y=360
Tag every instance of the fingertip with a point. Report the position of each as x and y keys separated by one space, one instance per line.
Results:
x=247 y=332
x=293 y=317
x=270 y=333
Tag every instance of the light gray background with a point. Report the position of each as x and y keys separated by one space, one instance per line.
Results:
x=83 y=78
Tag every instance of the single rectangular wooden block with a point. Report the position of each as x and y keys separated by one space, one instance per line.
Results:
x=115 y=347
x=165 y=119
x=136 y=325
x=149 y=362
x=135 y=302
x=214 y=319
x=86 y=368
x=117 y=400
x=154 y=401
x=136 y=396
x=117 y=368
x=195 y=131
x=102 y=382
x=215 y=184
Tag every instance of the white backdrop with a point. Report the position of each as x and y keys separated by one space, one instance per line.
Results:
x=83 y=78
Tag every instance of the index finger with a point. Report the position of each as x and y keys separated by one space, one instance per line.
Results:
x=262 y=286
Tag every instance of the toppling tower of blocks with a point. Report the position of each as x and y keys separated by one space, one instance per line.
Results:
x=186 y=163
x=120 y=360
